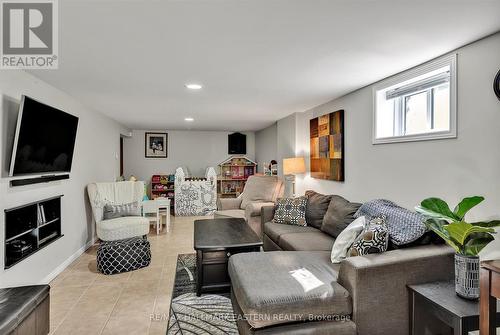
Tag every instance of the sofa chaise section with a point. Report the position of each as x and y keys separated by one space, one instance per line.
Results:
x=303 y=287
x=297 y=328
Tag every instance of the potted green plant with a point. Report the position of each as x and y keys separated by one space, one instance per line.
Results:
x=467 y=239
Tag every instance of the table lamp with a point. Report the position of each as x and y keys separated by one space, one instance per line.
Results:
x=291 y=167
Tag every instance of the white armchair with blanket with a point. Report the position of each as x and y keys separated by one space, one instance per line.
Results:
x=259 y=191
x=118 y=193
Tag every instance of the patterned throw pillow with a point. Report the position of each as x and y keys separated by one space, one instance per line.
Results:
x=373 y=239
x=291 y=211
x=118 y=211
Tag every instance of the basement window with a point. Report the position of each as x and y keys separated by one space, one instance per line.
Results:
x=419 y=104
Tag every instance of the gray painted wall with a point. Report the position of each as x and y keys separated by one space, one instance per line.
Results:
x=286 y=139
x=266 y=145
x=410 y=172
x=196 y=150
x=95 y=159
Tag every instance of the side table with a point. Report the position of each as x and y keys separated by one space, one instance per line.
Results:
x=439 y=300
x=490 y=292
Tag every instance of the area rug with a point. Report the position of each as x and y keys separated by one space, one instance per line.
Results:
x=189 y=314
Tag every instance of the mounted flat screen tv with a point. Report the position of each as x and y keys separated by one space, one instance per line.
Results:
x=237 y=144
x=44 y=140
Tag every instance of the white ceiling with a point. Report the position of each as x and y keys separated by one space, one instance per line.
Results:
x=259 y=60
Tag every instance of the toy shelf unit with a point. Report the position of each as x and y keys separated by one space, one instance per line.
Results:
x=162 y=186
x=31 y=227
x=233 y=174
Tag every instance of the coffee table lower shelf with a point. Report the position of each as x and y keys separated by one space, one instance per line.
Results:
x=215 y=240
x=212 y=275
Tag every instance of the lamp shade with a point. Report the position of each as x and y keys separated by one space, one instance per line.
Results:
x=295 y=165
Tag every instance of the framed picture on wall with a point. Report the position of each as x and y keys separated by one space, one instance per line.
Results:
x=156 y=145
x=327 y=146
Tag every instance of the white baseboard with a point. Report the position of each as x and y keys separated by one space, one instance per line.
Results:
x=67 y=262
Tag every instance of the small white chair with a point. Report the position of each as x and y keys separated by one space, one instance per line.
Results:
x=153 y=210
x=164 y=210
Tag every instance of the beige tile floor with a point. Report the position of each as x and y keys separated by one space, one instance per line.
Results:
x=84 y=301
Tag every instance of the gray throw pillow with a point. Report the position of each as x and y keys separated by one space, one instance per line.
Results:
x=317 y=205
x=404 y=225
x=118 y=211
x=339 y=215
x=291 y=211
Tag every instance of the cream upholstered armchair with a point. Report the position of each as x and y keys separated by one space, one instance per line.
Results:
x=118 y=193
x=259 y=191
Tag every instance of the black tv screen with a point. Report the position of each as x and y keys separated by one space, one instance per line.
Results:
x=45 y=139
x=237 y=144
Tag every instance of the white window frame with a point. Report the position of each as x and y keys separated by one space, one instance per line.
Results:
x=450 y=60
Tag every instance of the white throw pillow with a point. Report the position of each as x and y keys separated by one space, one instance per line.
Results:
x=346 y=238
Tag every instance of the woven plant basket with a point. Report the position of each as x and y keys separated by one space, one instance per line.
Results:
x=467 y=276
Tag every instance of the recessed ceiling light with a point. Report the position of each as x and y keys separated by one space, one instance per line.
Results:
x=194 y=86
x=188 y=119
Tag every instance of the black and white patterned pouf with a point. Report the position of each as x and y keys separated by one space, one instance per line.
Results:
x=123 y=255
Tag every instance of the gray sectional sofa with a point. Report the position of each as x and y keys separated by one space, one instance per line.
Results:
x=365 y=295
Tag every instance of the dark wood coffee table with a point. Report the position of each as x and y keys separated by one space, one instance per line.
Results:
x=438 y=301
x=215 y=240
